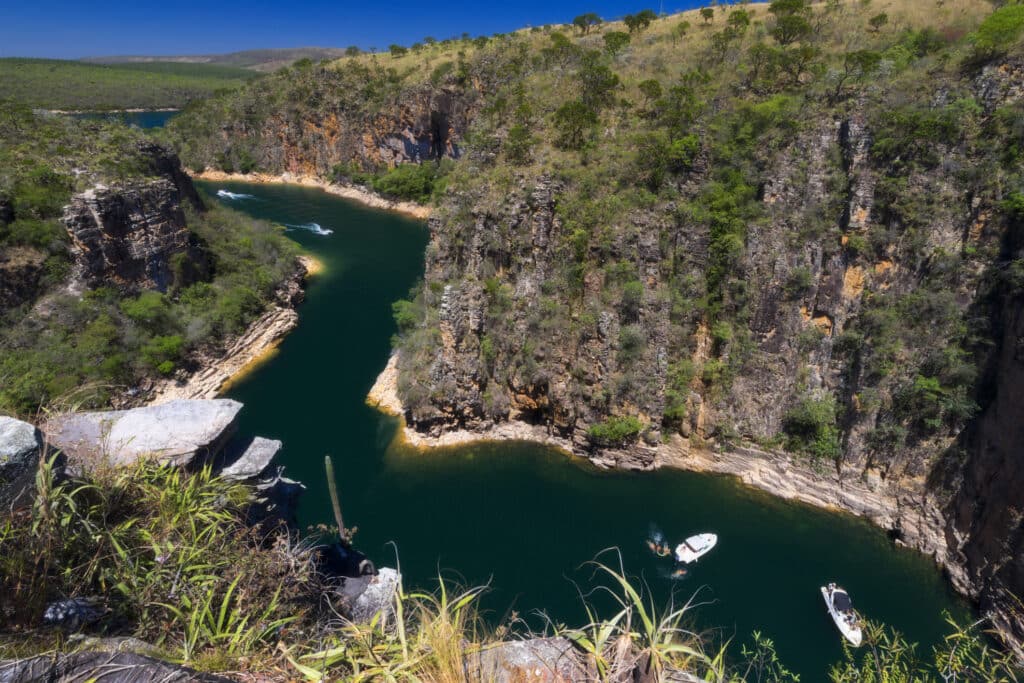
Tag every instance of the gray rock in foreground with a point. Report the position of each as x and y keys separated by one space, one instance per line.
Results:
x=545 y=660
x=108 y=667
x=173 y=433
x=253 y=461
x=20 y=448
x=378 y=596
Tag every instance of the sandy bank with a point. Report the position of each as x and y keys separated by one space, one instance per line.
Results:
x=355 y=193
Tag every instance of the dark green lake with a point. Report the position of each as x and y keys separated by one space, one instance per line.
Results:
x=524 y=517
x=142 y=119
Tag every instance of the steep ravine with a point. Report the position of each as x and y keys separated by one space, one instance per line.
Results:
x=862 y=263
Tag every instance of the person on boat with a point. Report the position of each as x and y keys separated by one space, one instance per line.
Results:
x=658 y=548
x=679 y=572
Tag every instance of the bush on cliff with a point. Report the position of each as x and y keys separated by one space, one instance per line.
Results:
x=811 y=428
x=615 y=431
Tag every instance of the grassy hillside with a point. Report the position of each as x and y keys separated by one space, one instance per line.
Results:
x=67 y=85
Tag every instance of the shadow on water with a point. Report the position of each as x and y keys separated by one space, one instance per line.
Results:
x=526 y=518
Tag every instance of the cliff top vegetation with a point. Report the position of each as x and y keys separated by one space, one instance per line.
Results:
x=57 y=341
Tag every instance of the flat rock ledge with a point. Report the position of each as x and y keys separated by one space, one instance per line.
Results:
x=173 y=433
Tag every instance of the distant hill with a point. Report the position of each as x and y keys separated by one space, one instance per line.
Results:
x=257 y=60
x=59 y=84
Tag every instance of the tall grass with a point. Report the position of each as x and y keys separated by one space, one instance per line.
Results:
x=169 y=552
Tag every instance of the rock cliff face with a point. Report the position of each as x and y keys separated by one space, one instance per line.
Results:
x=825 y=278
x=825 y=289
x=985 y=527
x=349 y=124
x=133 y=235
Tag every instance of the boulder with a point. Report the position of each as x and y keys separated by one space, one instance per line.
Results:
x=121 y=667
x=544 y=660
x=20 y=449
x=377 y=596
x=75 y=613
x=173 y=433
x=254 y=459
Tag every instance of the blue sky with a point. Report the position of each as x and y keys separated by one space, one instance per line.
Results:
x=68 y=30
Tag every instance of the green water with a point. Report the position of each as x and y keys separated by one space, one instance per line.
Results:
x=521 y=516
x=142 y=119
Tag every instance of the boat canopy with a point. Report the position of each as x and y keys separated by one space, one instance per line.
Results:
x=841 y=601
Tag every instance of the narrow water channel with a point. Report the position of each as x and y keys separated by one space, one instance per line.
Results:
x=521 y=517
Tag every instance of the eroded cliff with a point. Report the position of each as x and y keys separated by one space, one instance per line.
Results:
x=741 y=241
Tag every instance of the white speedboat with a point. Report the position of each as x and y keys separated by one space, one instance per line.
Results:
x=841 y=608
x=695 y=547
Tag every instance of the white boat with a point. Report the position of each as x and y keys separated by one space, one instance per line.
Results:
x=232 y=195
x=841 y=608
x=695 y=547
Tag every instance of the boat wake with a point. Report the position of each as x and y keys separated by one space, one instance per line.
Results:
x=233 y=195
x=311 y=227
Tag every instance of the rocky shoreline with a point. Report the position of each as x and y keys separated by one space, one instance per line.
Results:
x=904 y=509
x=353 y=192
x=253 y=347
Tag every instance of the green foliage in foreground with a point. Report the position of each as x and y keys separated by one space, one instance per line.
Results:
x=169 y=551
x=57 y=84
x=176 y=564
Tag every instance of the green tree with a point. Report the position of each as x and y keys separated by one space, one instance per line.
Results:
x=598 y=82
x=878 y=21
x=679 y=30
x=739 y=20
x=615 y=42
x=575 y=122
x=636 y=23
x=791 y=20
x=811 y=427
x=585 y=22
x=519 y=144
x=651 y=90
x=707 y=14
x=397 y=50
x=856 y=66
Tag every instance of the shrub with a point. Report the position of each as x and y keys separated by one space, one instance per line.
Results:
x=413 y=182
x=615 y=431
x=406 y=314
x=1000 y=29
x=632 y=341
x=615 y=42
x=575 y=122
x=162 y=352
x=811 y=428
x=798 y=283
